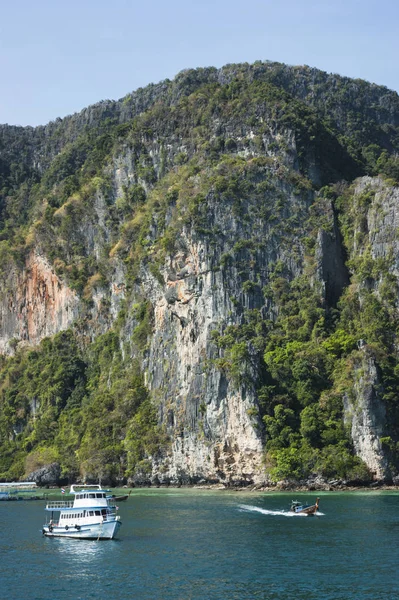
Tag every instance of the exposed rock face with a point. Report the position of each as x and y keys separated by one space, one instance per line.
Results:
x=382 y=219
x=366 y=415
x=330 y=257
x=208 y=416
x=36 y=304
x=376 y=222
x=213 y=435
x=48 y=475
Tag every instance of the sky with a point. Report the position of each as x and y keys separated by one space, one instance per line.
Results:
x=58 y=57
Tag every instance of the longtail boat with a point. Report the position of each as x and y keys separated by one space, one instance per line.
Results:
x=120 y=498
x=304 y=509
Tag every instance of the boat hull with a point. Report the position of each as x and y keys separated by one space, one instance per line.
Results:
x=297 y=509
x=310 y=510
x=92 y=531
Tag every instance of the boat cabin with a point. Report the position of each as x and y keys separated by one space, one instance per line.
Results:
x=91 y=515
x=90 y=505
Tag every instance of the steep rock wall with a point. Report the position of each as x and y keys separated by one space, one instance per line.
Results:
x=374 y=252
x=212 y=420
x=213 y=435
x=366 y=416
x=34 y=304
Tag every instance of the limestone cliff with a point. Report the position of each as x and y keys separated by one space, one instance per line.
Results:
x=34 y=304
x=366 y=416
x=230 y=300
x=214 y=423
x=374 y=254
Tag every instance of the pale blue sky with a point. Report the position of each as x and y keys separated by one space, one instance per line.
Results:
x=58 y=57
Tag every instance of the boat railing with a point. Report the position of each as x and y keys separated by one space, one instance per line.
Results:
x=59 y=504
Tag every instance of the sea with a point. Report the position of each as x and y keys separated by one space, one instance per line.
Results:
x=194 y=544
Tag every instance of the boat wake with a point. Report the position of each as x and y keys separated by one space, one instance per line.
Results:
x=279 y=513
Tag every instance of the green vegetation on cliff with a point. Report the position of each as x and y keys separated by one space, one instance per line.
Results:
x=89 y=411
x=270 y=147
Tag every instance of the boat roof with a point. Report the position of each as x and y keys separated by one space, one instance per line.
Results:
x=76 y=508
x=86 y=487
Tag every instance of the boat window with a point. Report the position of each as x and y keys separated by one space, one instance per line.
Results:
x=99 y=495
x=98 y=512
x=92 y=495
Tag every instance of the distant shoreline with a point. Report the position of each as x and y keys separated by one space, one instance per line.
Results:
x=250 y=488
x=296 y=489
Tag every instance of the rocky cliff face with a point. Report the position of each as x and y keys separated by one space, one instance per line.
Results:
x=382 y=221
x=366 y=416
x=34 y=304
x=214 y=423
x=373 y=252
x=188 y=220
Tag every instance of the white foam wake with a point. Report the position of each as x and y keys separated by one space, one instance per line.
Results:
x=280 y=513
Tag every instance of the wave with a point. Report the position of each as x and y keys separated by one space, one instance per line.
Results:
x=280 y=513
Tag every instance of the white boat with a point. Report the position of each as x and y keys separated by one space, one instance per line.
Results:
x=91 y=515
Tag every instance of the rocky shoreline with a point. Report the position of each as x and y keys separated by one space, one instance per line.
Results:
x=286 y=487
x=272 y=489
x=49 y=477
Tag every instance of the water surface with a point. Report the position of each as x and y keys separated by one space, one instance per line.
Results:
x=194 y=544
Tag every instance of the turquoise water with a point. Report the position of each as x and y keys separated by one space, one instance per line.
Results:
x=192 y=544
